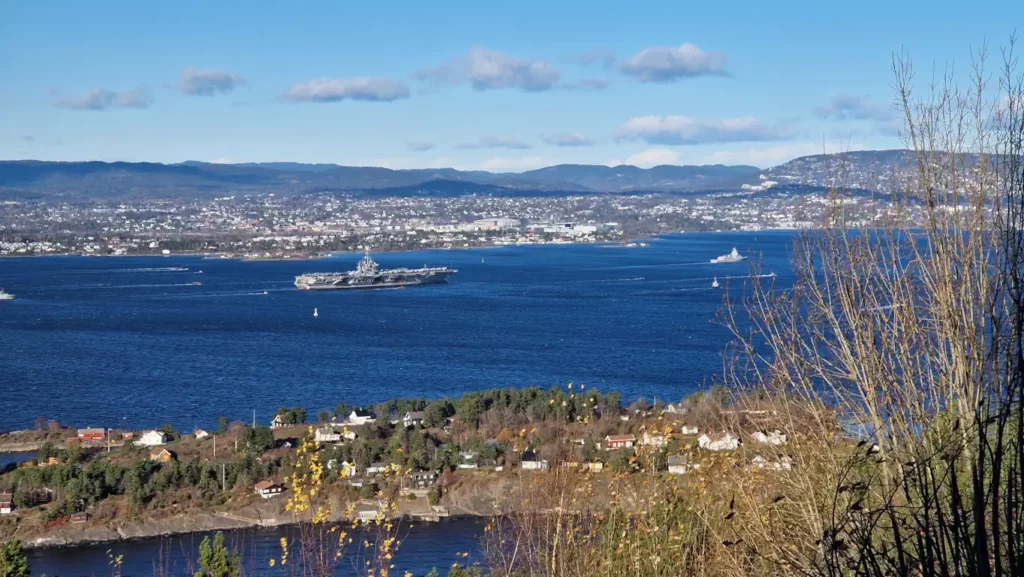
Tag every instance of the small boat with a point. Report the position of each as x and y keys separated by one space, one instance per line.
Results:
x=482 y=261
x=714 y=283
x=195 y=283
x=265 y=292
x=315 y=313
x=5 y=296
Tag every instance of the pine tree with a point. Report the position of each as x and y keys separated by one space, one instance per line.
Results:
x=13 y=562
x=215 y=560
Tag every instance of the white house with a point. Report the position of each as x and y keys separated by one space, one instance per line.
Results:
x=152 y=439
x=376 y=468
x=689 y=430
x=775 y=437
x=529 y=462
x=361 y=417
x=467 y=460
x=412 y=418
x=678 y=464
x=326 y=435
x=268 y=489
x=653 y=440
x=201 y=434
x=277 y=422
x=348 y=469
x=718 y=442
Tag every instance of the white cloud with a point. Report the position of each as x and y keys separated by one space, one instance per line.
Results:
x=335 y=89
x=103 y=99
x=486 y=69
x=667 y=64
x=846 y=107
x=653 y=157
x=494 y=141
x=568 y=139
x=683 y=130
x=419 y=146
x=208 y=82
x=768 y=156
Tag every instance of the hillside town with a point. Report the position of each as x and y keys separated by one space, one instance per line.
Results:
x=431 y=452
x=270 y=226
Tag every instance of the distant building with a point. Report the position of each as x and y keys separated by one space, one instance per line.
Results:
x=678 y=464
x=619 y=441
x=467 y=460
x=91 y=434
x=653 y=440
x=162 y=456
x=361 y=417
x=79 y=517
x=268 y=489
x=376 y=468
x=201 y=434
x=277 y=422
x=412 y=418
x=326 y=434
x=690 y=430
x=152 y=439
x=775 y=437
x=6 y=504
x=718 y=442
x=529 y=461
x=423 y=479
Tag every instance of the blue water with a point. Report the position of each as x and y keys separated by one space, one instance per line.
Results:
x=127 y=342
x=422 y=547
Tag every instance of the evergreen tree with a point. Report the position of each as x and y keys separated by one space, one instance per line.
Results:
x=13 y=562
x=215 y=560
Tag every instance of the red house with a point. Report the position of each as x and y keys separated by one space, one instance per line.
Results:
x=619 y=441
x=91 y=434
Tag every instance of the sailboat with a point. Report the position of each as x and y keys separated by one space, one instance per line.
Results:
x=714 y=283
x=315 y=314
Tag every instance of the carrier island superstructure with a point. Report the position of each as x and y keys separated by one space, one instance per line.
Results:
x=369 y=276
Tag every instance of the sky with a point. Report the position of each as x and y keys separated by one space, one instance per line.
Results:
x=499 y=86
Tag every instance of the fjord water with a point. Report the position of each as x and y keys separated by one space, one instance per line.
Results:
x=132 y=342
x=423 y=546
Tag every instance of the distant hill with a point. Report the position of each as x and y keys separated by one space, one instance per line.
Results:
x=38 y=179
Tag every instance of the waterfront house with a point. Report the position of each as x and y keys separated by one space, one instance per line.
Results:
x=268 y=489
x=674 y=409
x=619 y=441
x=423 y=479
x=6 y=503
x=529 y=461
x=277 y=422
x=91 y=434
x=326 y=434
x=162 y=456
x=718 y=442
x=361 y=417
x=412 y=418
x=775 y=437
x=201 y=434
x=678 y=464
x=152 y=439
x=653 y=440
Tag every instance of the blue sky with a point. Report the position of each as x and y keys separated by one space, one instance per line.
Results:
x=474 y=85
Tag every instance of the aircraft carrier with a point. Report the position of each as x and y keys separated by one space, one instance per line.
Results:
x=369 y=276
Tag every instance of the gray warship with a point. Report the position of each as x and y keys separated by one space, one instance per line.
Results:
x=369 y=276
